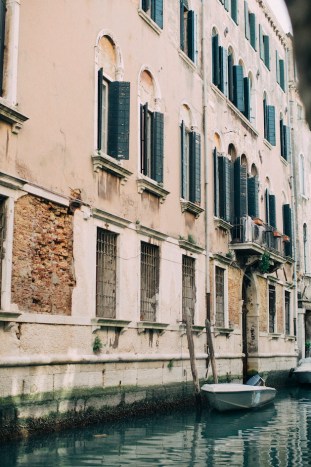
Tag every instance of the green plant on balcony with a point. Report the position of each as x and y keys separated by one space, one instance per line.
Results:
x=264 y=263
x=97 y=345
x=308 y=348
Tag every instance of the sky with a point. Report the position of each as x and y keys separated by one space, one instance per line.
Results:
x=279 y=9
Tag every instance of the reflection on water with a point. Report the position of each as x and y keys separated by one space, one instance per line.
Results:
x=278 y=435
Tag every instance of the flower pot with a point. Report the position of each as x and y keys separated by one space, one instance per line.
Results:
x=277 y=234
x=257 y=221
x=286 y=238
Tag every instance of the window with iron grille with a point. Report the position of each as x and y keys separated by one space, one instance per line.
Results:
x=220 y=297
x=149 y=281
x=287 y=312
x=2 y=238
x=106 y=274
x=271 y=308
x=188 y=286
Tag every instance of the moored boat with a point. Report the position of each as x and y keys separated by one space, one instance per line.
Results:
x=230 y=396
x=303 y=371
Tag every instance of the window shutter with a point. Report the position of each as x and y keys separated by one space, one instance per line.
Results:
x=277 y=67
x=158 y=146
x=287 y=227
x=266 y=43
x=261 y=45
x=271 y=124
x=272 y=211
x=234 y=11
x=246 y=20
x=143 y=138
x=227 y=6
x=286 y=130
x=216 y=183
x=282 y=139
x=265 y=118
x=247 y=98
x=2 y=37
x=215 y=53
x=223 y=66
x=240 y=190
x=230 y=78
x=191 y=35
x=182 y=31
x=238 y=88
x=99 y=106
x=252 y=25
x=282 y=75
x=252 y=196
x=195 y=167
x=145 y=4
x=183 y=160
x=119 y=119
x=158 y=12
x=225 y=191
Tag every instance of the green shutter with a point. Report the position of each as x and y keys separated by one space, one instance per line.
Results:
x=240 y=190
x=266 y=44
x=227 y=6
x=230 y=77
x=195 y=167
x=265 y=119
x=191 y=35
x=247 y=98
x=223 y=67
x=252 y=196
x=282 y=139
x=272 y=211
x=216 y=183
x=215 y=55
x=181 y=21
x=282 y=75
x=286 y=130
x=246 y=20
x=158 y=13
x=238 y=87
x=2 y=38
x=287 y=227
x=145 y=4
x=261 y=45
x=224 y=174
x=234 y=11
x=143 y=138
x=277 y=67
x=183 y=160
x=271 y=124
x=99 y=107
x=119 y=119
x=158 y=147
x=252 y=25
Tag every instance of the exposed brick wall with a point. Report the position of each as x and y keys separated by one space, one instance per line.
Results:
x=42 y=275
x=263 y=304
x=234 y=295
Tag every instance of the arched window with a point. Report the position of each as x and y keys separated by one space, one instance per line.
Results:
x=269 y=121
x=270 y=205
x=284 y=139
x=252 y=192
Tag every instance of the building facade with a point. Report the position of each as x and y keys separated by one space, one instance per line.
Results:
x=145 y=177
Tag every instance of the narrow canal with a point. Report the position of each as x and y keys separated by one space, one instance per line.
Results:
x=277 y=435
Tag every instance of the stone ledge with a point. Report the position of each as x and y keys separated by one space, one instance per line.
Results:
x=11 y=115
x=102 y=161
x=153 y=187
x=193 y=247
x=149 y=21
x=188 y=206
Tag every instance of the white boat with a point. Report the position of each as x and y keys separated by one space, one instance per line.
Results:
x=303 y=371
x=230 y=396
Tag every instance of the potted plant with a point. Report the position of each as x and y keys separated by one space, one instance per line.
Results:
x=286 y=238
x=277 y=234
x=257 y=221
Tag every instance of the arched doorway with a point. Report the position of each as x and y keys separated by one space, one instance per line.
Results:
x=249 y=325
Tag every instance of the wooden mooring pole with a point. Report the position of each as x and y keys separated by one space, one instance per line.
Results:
x=210 y=348
x=192 y=358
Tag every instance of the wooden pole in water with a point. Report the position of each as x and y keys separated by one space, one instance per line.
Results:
x=211 y=349
x=192 y=357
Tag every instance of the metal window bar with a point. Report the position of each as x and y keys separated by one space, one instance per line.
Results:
x=188 y=287
x=149 y=281
x=2 y=238
x=220 y=298
x=271 y=309
x=287 y=312
x=106 y=274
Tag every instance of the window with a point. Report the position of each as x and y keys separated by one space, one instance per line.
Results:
x=220 y=65
x=272 y=309
x=187 y=30
x=106 y=274
x=287 y=228
x=269 y=121
x=252 y=196
x=188 y=287
x=264 y=47
x=250 y=25
x=151 y=143
x=113 y=117
x=149 y=281
x=284 y=140
x=280 y=70
x=270 y=208
x=2 y=38
x=190 y=164
x=287 y=312
x=232 y=7
x=219 y=297
x=154 y=8
x=223 y=189
x=305 y=248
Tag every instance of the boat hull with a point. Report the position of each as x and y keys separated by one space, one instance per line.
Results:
x=303 y=371
x=224 y=397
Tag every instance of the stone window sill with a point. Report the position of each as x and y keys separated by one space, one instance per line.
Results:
x=188 y=206
x=187 y=60
x=290 y=338
x=193 y=247
x=284 y=161
x=274 y=335
x=10 y=115
x=143 y=326
x=222 y=331
x=102 y=161
x=153 y=187
x=269 y=145
x=149 y=21
x=99 y=323
x=198 y=330
x=222 y=224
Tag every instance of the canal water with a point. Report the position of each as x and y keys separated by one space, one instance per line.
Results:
x=277 y=435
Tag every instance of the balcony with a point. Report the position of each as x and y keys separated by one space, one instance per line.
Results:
x=252 y=239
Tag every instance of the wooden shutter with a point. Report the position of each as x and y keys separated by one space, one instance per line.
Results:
x=230 y=77
x=261 y=45
x=227 y=6
x=271 y=124
x=195 y=167
x=246 y=20
x=216 y=183
x=191 y=35
x=272 y=211
x=2 y=38
x=234 y=11
x=266 y=44
x=240 y=190
x=277 y=66
x=252 y=25
x=287 y=151
x=143 y=138
x=282 y=138
x=265 y=119
x=287 y=227
x=99 y=106
x=238 y=88
x=252 y=196
x=182 y=30
x=215 y=55
x=225 y=191
x=157 y=147
x=183 y=160
x=223 y=67
x=158 y=13
x=119 y=119
x=145 y=4
x=247 y=98
x=282 y=75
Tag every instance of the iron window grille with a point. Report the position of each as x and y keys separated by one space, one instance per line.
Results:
x=106 y=274
x=149 y=281
x=188 y=287
x=272 y=306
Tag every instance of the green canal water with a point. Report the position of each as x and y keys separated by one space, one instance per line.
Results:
x=277 y=435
